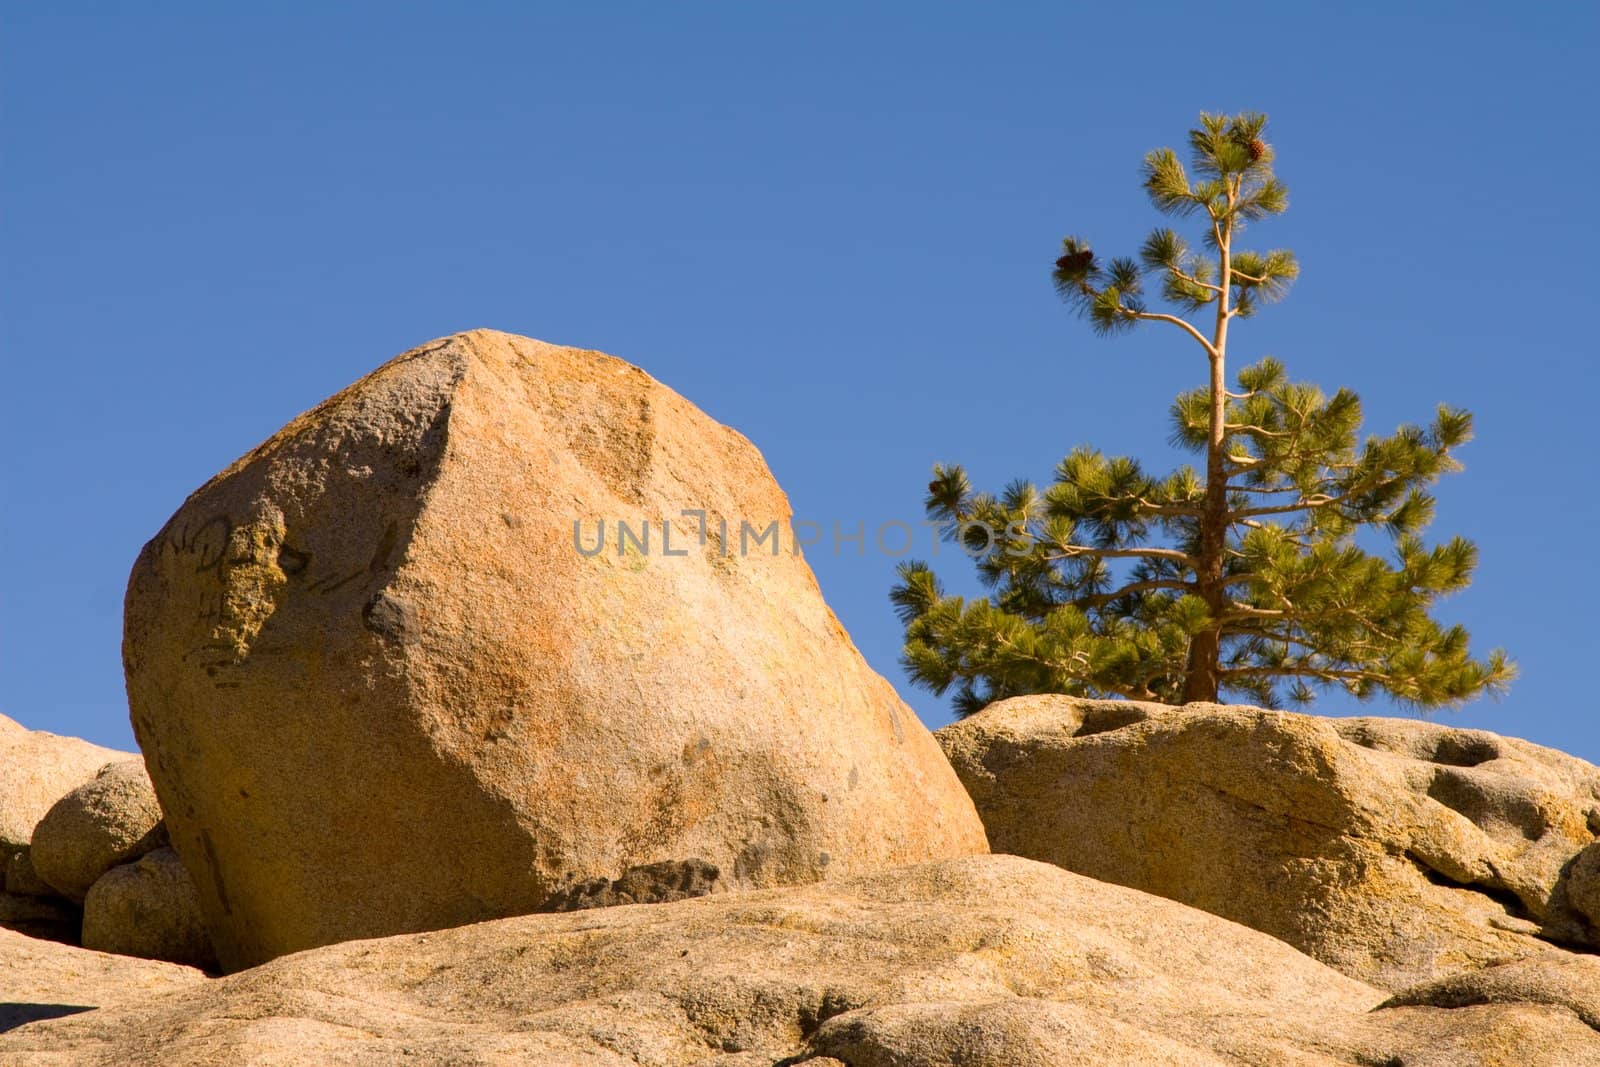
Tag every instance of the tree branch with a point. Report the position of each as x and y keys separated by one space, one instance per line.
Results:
x=1245 y=427
x=1360 y=647
x=1322 y=500
x=1074 y=671
x=1262 y=489
x=1183 y=324
x=1237 y=610
x=1069 y=551
x=1330 y=674
x=1153 y=508
x=1098 y=599
x=1193 y=280
x=1242 y=463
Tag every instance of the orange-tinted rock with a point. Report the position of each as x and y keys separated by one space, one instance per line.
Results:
x=380 y=689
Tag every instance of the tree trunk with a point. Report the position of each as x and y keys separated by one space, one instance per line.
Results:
x=1202 y=677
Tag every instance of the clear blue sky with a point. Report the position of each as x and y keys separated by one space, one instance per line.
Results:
x=829 y=225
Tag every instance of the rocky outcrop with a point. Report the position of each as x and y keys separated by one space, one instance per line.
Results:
x=39 y=916
x=36 y=770
x=1560 y=979
x=45 y=980
x=650 y=883
x=1580 y=889
x=380 y=636
x=989 y=961
x=1397 y=851
x=29 y=906
x=112 y=818
x=148 y=909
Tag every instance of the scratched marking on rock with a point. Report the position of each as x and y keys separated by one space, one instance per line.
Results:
x=207 y=542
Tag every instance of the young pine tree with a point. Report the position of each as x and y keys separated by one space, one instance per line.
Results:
x=1243 y=577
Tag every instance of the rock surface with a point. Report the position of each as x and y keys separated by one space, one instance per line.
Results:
x=48 y=917
x=36 y=770
x=112 y=818
x=1397 y=851
x=46 y=980
x=989 y=961
x=22 y=879
x=374 y=639
x=1561 y=979
x=1583 y=887
x=651 y=883
x=148 y=909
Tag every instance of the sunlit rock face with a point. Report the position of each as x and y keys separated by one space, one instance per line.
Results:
x=384 y=682
x=1395 y=850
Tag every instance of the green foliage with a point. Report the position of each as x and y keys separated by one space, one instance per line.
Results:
x=1244 y=576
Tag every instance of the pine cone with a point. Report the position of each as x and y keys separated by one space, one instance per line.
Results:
x=1257 y=148
x=1076 y=263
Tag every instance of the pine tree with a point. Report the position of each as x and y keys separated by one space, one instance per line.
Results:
x=1242 y=577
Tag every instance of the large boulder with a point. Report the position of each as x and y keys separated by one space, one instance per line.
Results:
x=1397 y=851
x=148 y=908
x=36 y=770
x=988 y=961
x=380 y=688
x=112 y=818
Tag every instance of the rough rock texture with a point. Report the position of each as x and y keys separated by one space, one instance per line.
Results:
x=112 y=818
x=1561 y=979
x=45 y=980
x=1394 y=850
x=22 y=879
x=989 y=961
x=1583 y=885
x=36 y=770
x=651 y=883
x=149 y=909
x=29 y=906
x=47 y=917
x=374 y=639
